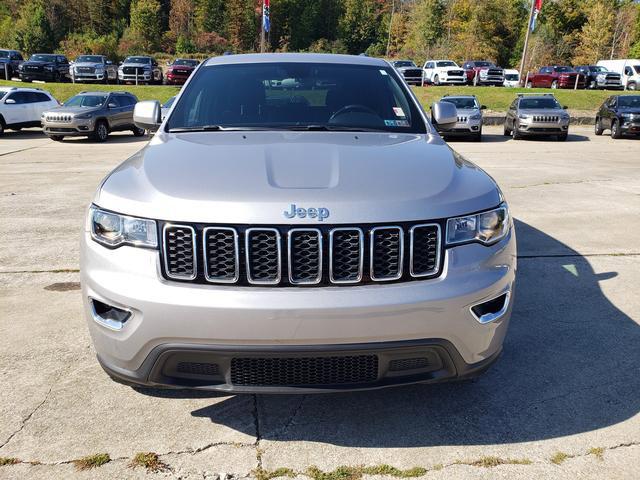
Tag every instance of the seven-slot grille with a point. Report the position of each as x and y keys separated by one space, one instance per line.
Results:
x=546 y=118
x=288 y=256
x=462 y=119
x=59 y=117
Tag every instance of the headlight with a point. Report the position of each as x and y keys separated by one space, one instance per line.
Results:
x=114 y=230
x=486 y=227
x=20 y=67
x=475 y=116
x=600 y=76
x=99 y=71
x=83 y=116
x=523 y=116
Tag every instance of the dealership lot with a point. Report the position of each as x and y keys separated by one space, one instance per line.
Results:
x=567 y=383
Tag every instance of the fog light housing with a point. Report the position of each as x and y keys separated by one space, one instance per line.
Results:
x=109 y=316
x=491 y=310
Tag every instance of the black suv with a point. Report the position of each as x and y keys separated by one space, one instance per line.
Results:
x=600 y=77
x=48 y=67
x=10 y=61
x=620 y=114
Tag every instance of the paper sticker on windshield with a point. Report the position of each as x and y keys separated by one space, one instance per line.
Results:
x=399 y=112
x=396 y=123
x=382 y=72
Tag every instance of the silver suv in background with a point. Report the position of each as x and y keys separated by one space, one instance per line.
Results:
x=409 y=70
x=316 y=239
x=93 y=68
x=536 y=115
x=93 y=115
x=140 y=69
x=469 y=122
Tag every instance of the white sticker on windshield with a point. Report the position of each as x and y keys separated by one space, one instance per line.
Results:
x=382 y=72
x=399 y=112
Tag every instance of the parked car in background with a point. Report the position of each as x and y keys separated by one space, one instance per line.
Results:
x=439 y=72
x=92 y=114
x=93 y=68
x=469 y=117
x=629 y=69
x=23 y=107
x=140 y=69
x=10 y=61
x=555 y=77
x=482 y=72
x=48 y=67
x=511 y=78
x=620 y=114
x=599 y=77
x=409 y=70
x=178 y=72
x=535 y=115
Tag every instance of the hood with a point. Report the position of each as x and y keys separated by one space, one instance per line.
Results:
x=253 y=177
x=543 y=111
x=467 y=111
x=139 y=65
x=633 y=110
x=448 y=69
x=181 y=67
x=73 y=110
x=37 y=63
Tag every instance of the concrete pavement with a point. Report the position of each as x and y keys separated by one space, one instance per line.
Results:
x=567 y=383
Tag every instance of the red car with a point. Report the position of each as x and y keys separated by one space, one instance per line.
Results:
x=555 y=77
x=179 y=70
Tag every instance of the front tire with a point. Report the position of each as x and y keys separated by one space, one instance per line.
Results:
x=615 y=130
x=632 y=86
x=554 y=84
x=506 y=131
x=514 y=133
x=436 y=80
x=101 y=132
x=138 y=132
x=529 y=85
x=598 y=127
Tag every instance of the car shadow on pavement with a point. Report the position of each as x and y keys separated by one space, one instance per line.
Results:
x=569 y=366
x=497 y=138
x=113 y=138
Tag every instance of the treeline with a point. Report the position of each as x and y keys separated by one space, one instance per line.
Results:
x=567 y=31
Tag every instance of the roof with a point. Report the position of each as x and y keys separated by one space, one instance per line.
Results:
x=296 y=58
x=459 y=96
x=23 y=89
x=105 y=92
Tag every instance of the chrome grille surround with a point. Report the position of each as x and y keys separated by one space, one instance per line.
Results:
x=377 y=255
x=412 y=240
x=295 y=277
x=206 y=245
x=176 y=229
x=251 y=264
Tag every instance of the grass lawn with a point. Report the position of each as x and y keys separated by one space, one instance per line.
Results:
x=64 y=91
x=496 y=99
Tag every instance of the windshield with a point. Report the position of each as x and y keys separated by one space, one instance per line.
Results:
x=461 y=102
x=597 y=69
x=42 y=58
x=483 y=64
x=404 y=63
x=539 y=103
x=189 y=63
x=636 y=68
x=512 y=77
x=4 y=54
x=296 y=96
x=629 y=101
x=2 y=94
x=137 y=60
x=446 y=63
x=86 y=101
x=89 y=59
x=563 y=69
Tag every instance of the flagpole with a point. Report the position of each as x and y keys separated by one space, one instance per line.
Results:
x=262 y=33
x=526 y=39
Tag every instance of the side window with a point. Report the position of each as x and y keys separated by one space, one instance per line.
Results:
x=430 y=65
x=127 y=100
x=19 y=97
x=42 y=97
x=61 y=59
x=628 y=71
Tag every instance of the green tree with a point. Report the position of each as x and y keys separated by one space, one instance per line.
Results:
x=358 y=24
x=145 y=24
x=32 y=30
x=210 y=15
x=425 y=27
x=241 y=24
x=594 y=40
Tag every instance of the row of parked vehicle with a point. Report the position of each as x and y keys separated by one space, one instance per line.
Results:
x=607 y=74
x=138 y=69
x=542 y=115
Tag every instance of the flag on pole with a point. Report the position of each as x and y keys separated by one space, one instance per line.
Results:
x=536 y=10
x=266 y=23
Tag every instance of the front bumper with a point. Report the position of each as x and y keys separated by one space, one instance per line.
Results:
x=43 y=76
x=542 y=128
x=174 y=79
x=89 y=77
x=206 y=324
x=75 y=128
x=470 y=127
x=141 y=77
x=453 y=79
x=631 y=127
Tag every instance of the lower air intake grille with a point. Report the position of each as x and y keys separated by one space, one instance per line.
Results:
x=192 y=368
x=408 y=364
x=302 y=371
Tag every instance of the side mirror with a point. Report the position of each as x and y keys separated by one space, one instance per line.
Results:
x=564 y=107
x=147 y=115
x=109 y=62
x=483 y=107
x=444 y=114
x=9 y=101
x=112 y=105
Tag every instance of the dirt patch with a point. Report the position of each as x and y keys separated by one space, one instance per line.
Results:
x=63 y=287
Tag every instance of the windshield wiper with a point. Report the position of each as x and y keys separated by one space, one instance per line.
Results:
x=332 y=128
x=213 y=128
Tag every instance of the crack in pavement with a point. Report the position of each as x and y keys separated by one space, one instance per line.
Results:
x=284 y=429
x=55 y=270
x=24 y=421
x=544 y=184
x=256 y=421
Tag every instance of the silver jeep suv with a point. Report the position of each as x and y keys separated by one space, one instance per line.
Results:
x=93 y=115
x=314 y=239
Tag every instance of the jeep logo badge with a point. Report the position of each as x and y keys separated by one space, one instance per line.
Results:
x=320 y=213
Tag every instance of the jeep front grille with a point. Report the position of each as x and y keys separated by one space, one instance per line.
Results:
x=59 y=117
x=546 y=118
x=300 y=256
